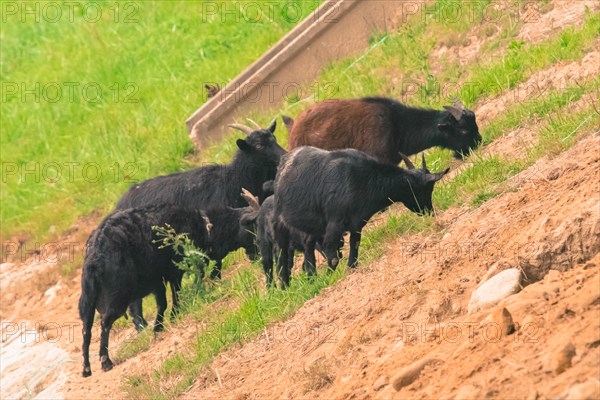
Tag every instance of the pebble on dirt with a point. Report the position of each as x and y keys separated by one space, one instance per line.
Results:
x=561 y=360
x=589 y=389
x=504 y=320
x=468 y=392
x=409 y=374
x=381 y=382
x=498 y=287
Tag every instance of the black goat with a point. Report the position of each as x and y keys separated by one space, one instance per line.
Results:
x=326 y=193
x=383 y=127
x=231 y=229
x=122 y=265
x=267 y=243
x=215 y=186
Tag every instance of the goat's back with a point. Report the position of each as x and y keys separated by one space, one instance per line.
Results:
x=346 y=123
x=203 y=187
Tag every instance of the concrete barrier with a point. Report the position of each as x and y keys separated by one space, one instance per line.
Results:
x=338 y=28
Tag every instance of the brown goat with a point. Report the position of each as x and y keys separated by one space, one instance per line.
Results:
x=383 y=127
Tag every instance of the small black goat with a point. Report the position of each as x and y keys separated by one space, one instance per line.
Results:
x=326 y=193
x=267 y=243
x=122 y=265
x=383 y=127
x=231 y=229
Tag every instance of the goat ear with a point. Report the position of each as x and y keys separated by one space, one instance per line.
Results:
x=272 y=127
x=456 y=113
x=243 y=145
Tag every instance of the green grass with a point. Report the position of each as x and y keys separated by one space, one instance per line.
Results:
x=134 y=345
x=150 y=66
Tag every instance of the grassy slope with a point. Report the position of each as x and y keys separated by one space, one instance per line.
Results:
x=481 y=180
x=158 y=53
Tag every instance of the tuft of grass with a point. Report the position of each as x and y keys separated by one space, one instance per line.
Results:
x=317 y=375
x=134 y=345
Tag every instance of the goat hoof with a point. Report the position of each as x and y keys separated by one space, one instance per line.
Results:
x=334 y=263
x=158 y=328
x=107 y=365
x=87 y=371
x=141 y=326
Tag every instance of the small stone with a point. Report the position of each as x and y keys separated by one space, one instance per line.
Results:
x=504 y=320
x=409 y=374
x=533 y=395
x=497 y=288
x=590 y=389
x=561 y=360
x=554 y=174
x=381 y=382
x=467 y=392
x=456 y=308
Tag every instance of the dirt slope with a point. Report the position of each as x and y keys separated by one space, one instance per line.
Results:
x=390 y=314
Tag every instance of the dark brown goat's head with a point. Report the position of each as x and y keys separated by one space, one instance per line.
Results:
x=421 y=186
x=460 y=129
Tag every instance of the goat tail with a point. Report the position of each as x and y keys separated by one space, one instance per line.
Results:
x=89 y=294
x=87 y=308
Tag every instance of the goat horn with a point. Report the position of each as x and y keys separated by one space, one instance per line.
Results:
x=458 y=104
x=209 y=225
x=456 y=112
x=257 y=126
x=251 y=199
x=423 y=161
x=246 y=129
x=409 y=164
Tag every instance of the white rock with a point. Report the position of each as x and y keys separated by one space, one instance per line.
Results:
x=51 y=293
x=495 y=289
x=589 y=389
